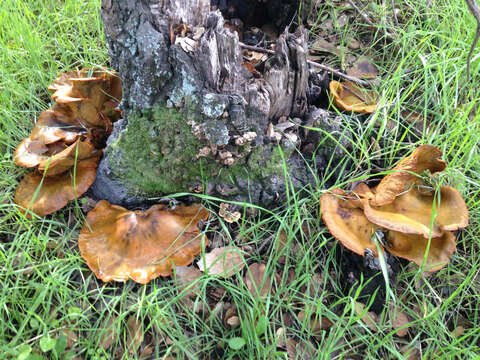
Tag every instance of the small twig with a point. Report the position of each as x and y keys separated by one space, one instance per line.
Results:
x=365 y=17
x=394 y=13
x=475 y=10
x=313 y=63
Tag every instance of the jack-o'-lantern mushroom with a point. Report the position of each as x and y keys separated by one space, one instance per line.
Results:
x=414 y=217
x=91 y=96
x=347 y=222
x=119 y=244
x=65 y=137
x=413 y=247
x=44 y=195
x=425 y=157
x=348 y=97
x=421 y=212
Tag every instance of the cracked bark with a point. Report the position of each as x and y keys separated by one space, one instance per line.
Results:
x=219 y=102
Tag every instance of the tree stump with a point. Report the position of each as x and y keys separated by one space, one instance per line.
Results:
x=195 y=119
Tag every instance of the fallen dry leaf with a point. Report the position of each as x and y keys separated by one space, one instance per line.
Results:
x=458 y=331
x=368 y=318
x=223 y=261
x=315 y=323
x=399 y=320
x=109 y=335
x=134 y=334
x=363 y=69
x=257 y=283
x=185 y=276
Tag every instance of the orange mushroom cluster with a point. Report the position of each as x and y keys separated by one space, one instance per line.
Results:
x=66 y=141
x=416 y=218
x=119 y=244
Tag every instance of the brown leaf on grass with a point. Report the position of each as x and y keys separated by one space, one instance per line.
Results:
x=399 y=321
x=314 y=323
x=134 y=334
x=72 y=338
x=323 y=46
x=368 y=318
x=184 y=277
x=224 y=261
x=280 y=245
x=458 y=331
x=410 y=352
x=146 y=352
x=109 y=334
x=257 y=283
x=363 y=69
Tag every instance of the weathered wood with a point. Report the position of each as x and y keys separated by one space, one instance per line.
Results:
x=194 y=118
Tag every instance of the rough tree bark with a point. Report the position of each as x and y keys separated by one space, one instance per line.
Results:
x=195 y=119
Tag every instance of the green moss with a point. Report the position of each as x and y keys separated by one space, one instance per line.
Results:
x=156 y=153
x=267 y=162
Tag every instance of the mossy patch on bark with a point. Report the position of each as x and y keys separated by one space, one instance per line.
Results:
x=155 y=154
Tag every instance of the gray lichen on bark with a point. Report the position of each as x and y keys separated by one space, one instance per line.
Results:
x=185 y=111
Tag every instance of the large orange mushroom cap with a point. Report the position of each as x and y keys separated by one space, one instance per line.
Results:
x=425 y=157
x=413 y=248
x=119 y=244
x=347 y=222
x=347 y=99
x=412 y=212
x=45 y=195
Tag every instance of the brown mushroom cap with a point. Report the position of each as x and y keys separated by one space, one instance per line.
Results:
x=346 y=222
x=30 y=152
x=119 y=244
x=425 y=157
x=90 y=96
x=64 y=160
x=412 y=211
x=413 y=247
x=345 y=98
x=53 y=125
x=45 y=195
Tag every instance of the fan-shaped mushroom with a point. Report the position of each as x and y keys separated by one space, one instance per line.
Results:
x=413 y=212
x=349 y=98
x=64 y=160
x=413 y=247
x=415 y=217
x=45 y=195
x=347 y=222
x=425 y=157
x=66 y=135
x=119 y=244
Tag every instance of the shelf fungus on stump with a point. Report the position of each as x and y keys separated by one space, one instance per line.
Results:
x=415 y=217
x=64 y=137
x=119 y=244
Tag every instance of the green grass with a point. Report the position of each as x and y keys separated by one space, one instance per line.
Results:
x=47 y=292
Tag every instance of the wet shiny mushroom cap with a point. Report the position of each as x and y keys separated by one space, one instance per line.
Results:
x=119 y=244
